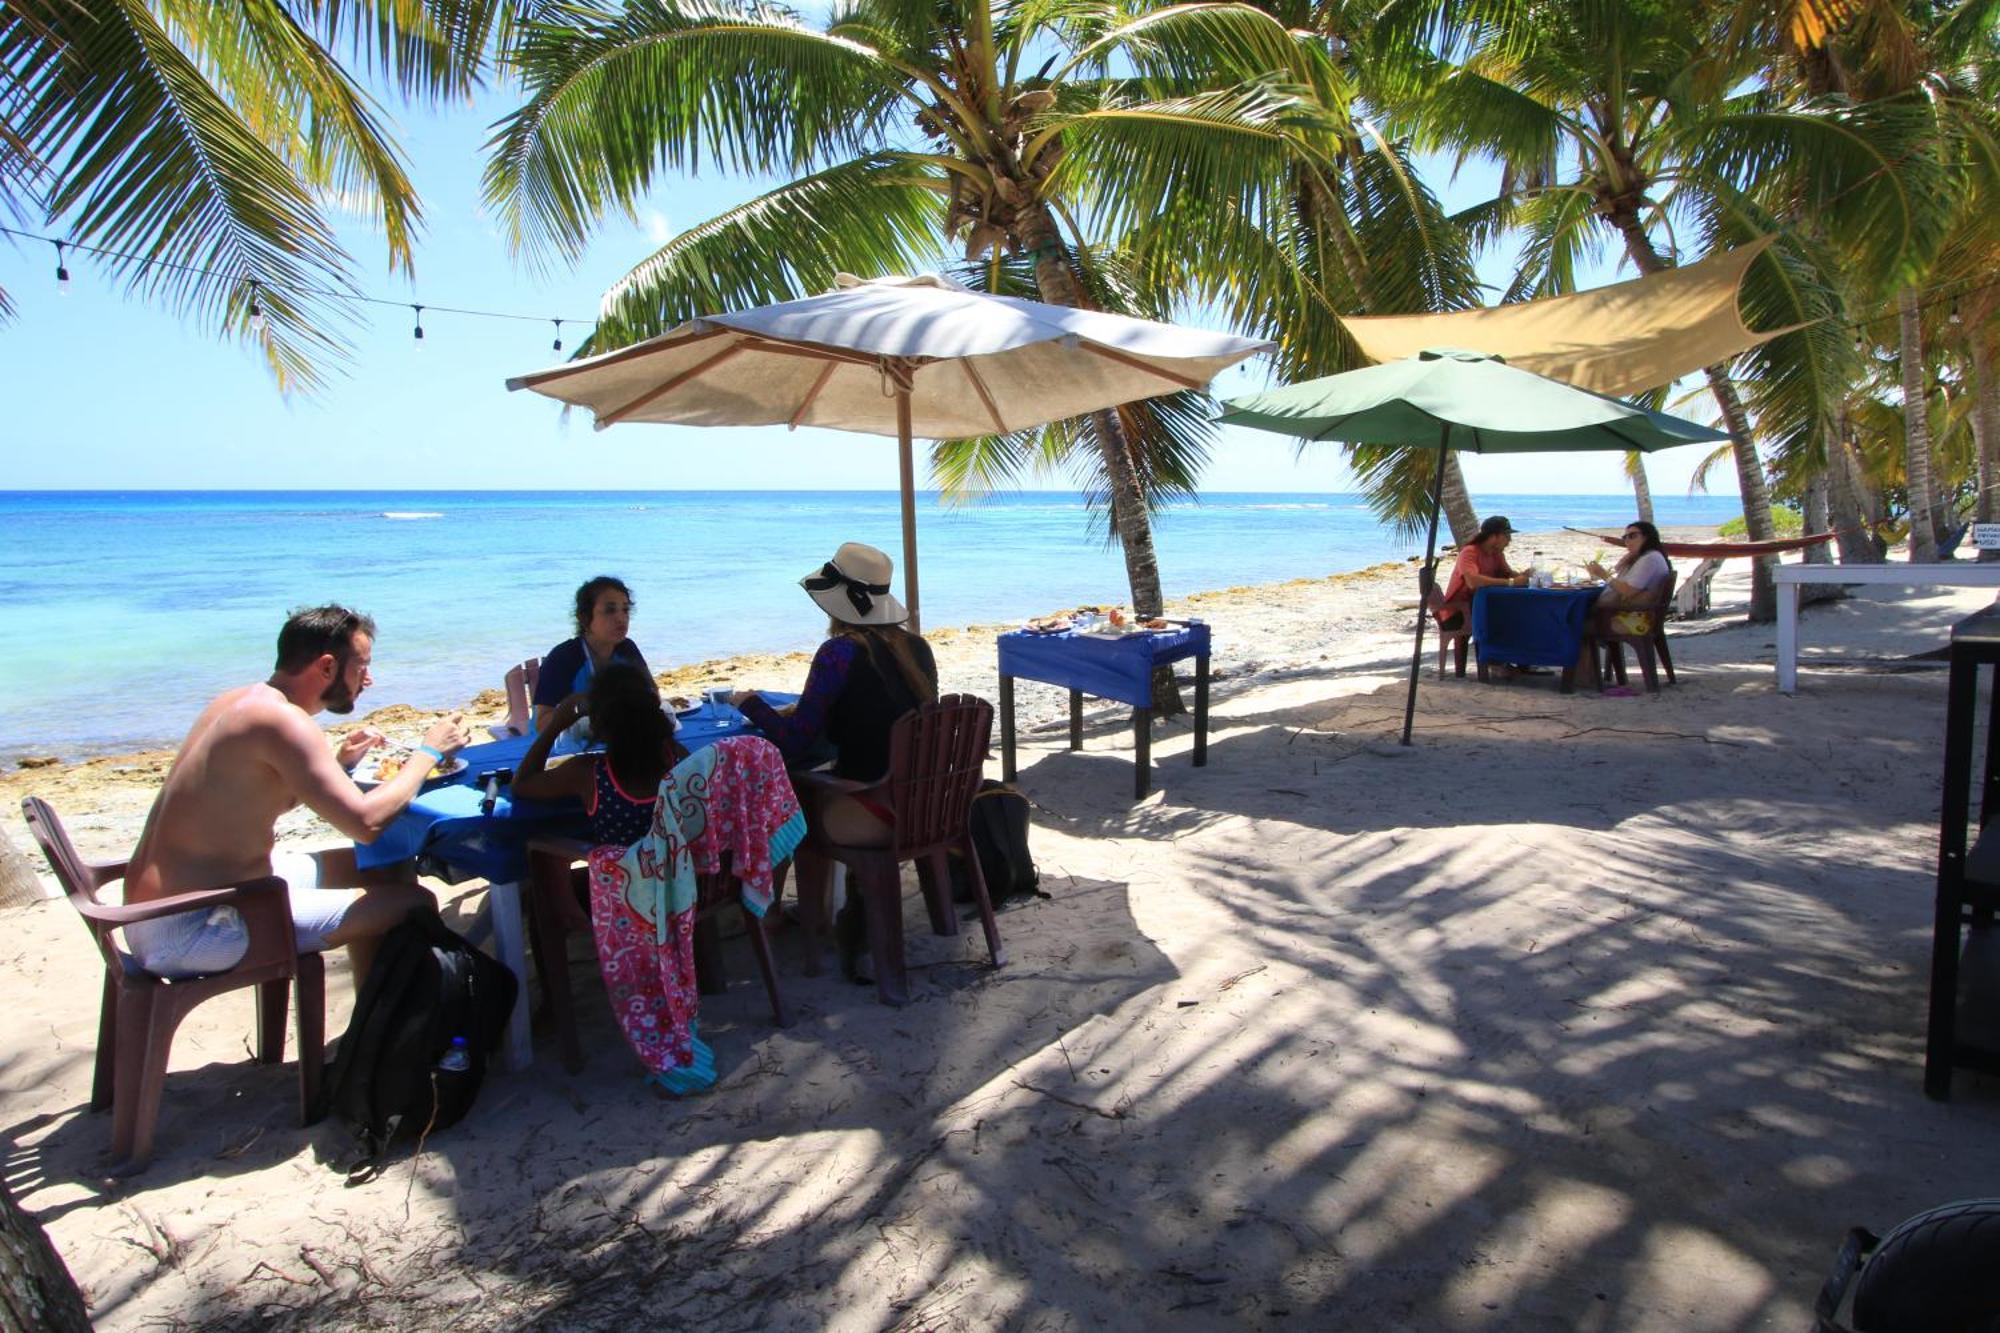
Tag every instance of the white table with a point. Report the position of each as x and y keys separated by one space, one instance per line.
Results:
x=1789 y=578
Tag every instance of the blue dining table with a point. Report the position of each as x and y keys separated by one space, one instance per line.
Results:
x=1532 y=627
x=456 y=830
x=1109 y=666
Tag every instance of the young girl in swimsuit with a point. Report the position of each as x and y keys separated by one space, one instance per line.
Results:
x=619 y=787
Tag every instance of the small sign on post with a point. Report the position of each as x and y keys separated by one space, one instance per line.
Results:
x=1986 y=536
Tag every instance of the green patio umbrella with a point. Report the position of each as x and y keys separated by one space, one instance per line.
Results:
x=1454 y=399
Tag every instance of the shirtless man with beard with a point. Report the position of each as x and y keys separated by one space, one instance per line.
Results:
x=254 y=753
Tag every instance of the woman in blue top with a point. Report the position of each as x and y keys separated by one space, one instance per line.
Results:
x=603 y=615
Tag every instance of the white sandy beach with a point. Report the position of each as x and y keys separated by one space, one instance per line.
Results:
x=1582 y=1013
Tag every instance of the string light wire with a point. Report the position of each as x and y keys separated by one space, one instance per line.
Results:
x=1929 y=296
x=257 y=285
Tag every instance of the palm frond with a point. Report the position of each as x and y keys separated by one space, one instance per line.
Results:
x=1859 y=172
x=878 y=214
x=156 y=162
x=299 y=101
x=1126 y=163
x=615 y=96
x=430 y=49
x=1397 y=481
x=1559 y=224
x=1723 y=456
x=1173 y=47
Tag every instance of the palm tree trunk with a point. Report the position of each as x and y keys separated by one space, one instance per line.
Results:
x=1458 y=510
x=1130 y=518
x=1917 y=480
x=1986 y=427
x=18 y=884
x=36 y=1289
x=1057 y=284
x=1816 y=498
x=1848 y=503
x=1642 y=490
x=1749 y=467
x=1756 y=495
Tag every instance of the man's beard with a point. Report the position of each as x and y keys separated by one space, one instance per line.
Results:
x=338 y=698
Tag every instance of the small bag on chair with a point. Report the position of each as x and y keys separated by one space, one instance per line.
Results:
x=1000 y=840
x=391 y=1077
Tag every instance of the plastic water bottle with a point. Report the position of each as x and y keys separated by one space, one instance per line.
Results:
x=458 y=1058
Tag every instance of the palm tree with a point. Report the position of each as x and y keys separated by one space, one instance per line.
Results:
x=1049 y=141
x=1640 y=126
x=1940 y=64
x=1364 y=235
x=207 y=142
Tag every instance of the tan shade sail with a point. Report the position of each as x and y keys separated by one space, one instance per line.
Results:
x=1622 y=339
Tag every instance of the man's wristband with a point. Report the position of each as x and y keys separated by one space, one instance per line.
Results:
x=437 y=755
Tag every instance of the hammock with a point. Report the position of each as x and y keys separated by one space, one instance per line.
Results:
x=1722 y=550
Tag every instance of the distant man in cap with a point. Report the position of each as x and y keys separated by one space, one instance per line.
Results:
x=1482 y=563
x=254 y=753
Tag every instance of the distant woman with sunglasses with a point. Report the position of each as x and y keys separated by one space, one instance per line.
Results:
x=603 y=615
x=1637 y=579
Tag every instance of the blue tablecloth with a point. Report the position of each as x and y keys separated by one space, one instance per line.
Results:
x=446 y=826
x=1118 y=668
x=1531 y=626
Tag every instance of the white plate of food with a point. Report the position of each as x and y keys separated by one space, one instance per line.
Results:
x=1120 y=629
x=378 y=766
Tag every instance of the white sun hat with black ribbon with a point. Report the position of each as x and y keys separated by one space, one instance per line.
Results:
x=853 y=587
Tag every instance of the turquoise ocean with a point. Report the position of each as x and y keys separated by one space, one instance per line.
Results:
x=122 y=612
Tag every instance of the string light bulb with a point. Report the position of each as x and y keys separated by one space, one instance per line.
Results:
x=557 y=344
x=256 y=310
x=418 y=332
x=62 y=273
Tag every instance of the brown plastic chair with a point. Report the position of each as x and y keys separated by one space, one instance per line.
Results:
x=140 y=1011
x=520 y=686
x=554 y=911
x=937 y=755
x=1649 y=646
x=1448 y=639
x=1660 y=648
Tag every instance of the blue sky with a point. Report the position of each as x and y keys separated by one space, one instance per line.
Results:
x=105 y=392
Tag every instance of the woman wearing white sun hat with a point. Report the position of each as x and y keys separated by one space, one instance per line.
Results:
x=869 y=672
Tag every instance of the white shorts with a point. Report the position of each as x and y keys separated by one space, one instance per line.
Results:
x=193 y=944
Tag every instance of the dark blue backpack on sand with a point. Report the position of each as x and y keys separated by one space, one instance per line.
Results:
x=397 y=1073
x=999 y=822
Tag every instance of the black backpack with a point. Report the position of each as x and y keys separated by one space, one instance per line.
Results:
x=1000 y=840
x=397 y=1071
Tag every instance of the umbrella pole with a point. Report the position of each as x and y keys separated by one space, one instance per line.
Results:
x=1423 y=604
x=907 y=463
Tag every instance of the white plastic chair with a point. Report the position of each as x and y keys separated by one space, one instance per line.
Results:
x=520 y=690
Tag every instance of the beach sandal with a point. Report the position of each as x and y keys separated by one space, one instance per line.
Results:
x=685 y=1080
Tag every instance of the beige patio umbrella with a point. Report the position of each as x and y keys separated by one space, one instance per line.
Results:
x=902 y=356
